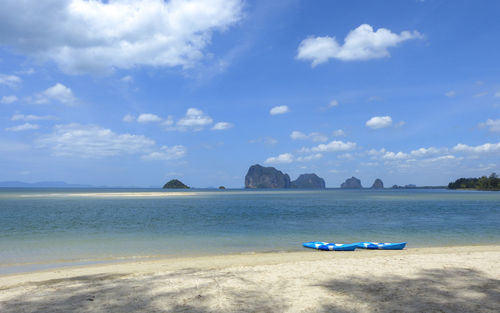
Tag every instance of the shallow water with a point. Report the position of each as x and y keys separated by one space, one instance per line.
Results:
x=64 y=225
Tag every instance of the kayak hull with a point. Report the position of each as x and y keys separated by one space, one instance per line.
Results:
x=329 y=246
x=381 y=245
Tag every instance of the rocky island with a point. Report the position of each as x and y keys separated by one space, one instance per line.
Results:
x=377 y=184
x=175 y=184
x=351 y=183
x=259 y=176
x=309 y=181
x=266 y=177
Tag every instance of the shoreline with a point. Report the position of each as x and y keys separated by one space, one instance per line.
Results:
x=10 y=269
x=35 y=266
x=451 y=279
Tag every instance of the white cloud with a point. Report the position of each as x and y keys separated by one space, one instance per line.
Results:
x=361 y=43
x=493 y=125
x=316 y=137
x=395 y=156
x=23 y=127
x=296 y=135
x=281 y=109
x=91 y=141
x=169 y=121
x=377 y=122
x=128 y=118
x=28 y=71
x=9 y=80
x=127 y=79
x=222 y=126
x=282 y=158
x=311 y=157
x=58 y=92
x=332 y=146
x=451 y=94
x=8 y=99
x=31 y=117
x=338 y=133
x=166 y=153
x=422 y=152
x=497 y=94
x=333 y=103
x=148 y=118
x=484 y=148
x=195 y=119
x=97 y=36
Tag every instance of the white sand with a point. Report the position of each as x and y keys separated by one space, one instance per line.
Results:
x=452 y=279
x=111 y=194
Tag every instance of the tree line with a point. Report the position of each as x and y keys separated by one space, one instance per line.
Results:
x=482 y=183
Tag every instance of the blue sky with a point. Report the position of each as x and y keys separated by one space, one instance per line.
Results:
x=140 y=92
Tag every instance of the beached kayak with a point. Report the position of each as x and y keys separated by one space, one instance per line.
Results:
x=381 y=245
x=329 y=246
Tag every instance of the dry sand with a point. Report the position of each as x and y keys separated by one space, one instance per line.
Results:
x=452 y=279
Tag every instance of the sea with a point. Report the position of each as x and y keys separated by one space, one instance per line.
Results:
x=43 y=228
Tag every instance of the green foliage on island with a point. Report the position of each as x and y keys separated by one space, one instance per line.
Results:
x=175 y=184
x=483 y=183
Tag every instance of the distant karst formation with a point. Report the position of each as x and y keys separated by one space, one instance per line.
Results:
x=175 y=184
x=309 y=181
x=268 y=177
x=377 y=184
x=351 y=183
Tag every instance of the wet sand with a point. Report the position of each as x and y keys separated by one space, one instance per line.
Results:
x=451 y=279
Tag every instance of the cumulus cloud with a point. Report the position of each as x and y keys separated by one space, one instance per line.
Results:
x=31 y=117
x=497 y=94
x=148 y=118
x=332 y=146
x=98 y=36
x=222 y=126
x=377 y=122
x=58 y=92
x=362 y=43
x=10 y=80
x=166 y=153
x=484 y=148
x=194 y=119
x=8 y=99
x=282 y=158
x=395 y=156
x=492 y=125
x=316 y=137
x=281 y=109
x=23 y=127
x=91 y=141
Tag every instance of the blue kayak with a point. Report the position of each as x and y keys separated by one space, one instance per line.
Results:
x=381 y=245
x=329 y=246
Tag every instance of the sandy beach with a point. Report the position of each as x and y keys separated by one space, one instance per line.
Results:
x=451 y=279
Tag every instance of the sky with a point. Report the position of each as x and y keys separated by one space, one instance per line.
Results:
x=135 y=93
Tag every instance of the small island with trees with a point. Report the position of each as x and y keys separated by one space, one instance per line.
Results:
x=175 y=184
x=491 y=183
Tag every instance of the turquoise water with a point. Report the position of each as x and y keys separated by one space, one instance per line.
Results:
x=63 y=225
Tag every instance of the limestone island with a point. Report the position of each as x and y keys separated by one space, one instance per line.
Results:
x=175 y=184
x=377 y=184
x=259 y=177
x=351 y=183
